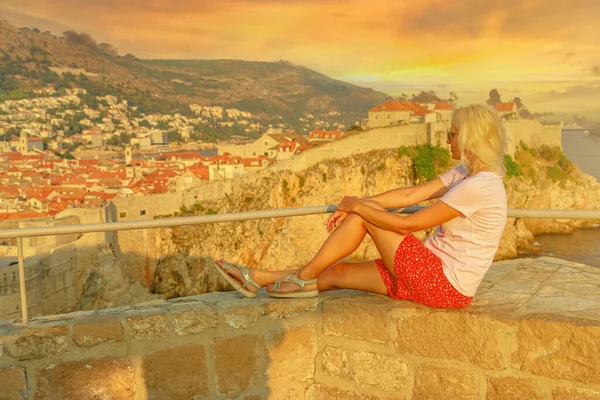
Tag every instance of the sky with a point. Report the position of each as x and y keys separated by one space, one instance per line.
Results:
x=547 y=52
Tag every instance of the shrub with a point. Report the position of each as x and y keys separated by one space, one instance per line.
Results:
x=324 y=177
x=404 y=151
x=527 y=149
x=527 y=164
x=301 y=181
x=381 y=166
x=430 y=160
x=565 y=164
x=552 y=154
x=512 y=168
x=555 y=155
x=556 y=174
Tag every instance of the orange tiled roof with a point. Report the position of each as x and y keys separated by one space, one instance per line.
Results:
x=442 y=105
x=396 y=105
x=505 y=107
x=21 y=215
x=420 y=113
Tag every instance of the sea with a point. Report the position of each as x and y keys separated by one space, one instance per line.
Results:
x=582 y=245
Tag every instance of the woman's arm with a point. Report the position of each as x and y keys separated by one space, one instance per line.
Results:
x=404 y=197
x=431 y=216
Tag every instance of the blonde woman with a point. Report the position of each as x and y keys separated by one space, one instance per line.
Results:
x=442 y=272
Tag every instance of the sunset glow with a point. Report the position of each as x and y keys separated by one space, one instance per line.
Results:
x=545 y=51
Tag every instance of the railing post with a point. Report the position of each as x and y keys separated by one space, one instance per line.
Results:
x=22 y=280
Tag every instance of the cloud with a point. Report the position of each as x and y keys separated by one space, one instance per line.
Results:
x=534 y=19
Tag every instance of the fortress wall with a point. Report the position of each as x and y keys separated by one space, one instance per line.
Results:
x=360 y=142
x=54 y=282
x=532 y=133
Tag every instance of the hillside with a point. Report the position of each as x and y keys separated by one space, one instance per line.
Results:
x=30 y=59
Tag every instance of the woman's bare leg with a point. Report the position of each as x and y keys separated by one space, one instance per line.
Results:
x=358 y=276
x=342 y=242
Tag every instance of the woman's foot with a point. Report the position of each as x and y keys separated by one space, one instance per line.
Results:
x=293 y=286
x=245 y=280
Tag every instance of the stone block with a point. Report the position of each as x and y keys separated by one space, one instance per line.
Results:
x=477 y=339
x=149 y=326
x=40 y=342
x=13 y=385
x=103 y=378
x=335 y=362
x=571 y=393
x=152 y=303
x=115 y=310
x=93 y=330
x=438 y=382
x=384 y=371
x=291 y=355
x=241 y=313
x=194 y=320
x=559 y=350
x=512 y=388
x=176 y=373
x=281 y=309
x=342 y=317
x=236 y=362
x=283 y=393
x=322 y=392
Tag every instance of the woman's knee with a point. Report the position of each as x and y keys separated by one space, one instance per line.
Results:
x=337 y=272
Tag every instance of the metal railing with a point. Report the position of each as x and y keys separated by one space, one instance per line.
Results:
x=20 y=233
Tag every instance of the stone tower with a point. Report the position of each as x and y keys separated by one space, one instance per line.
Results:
x=23 y=143
x=128 y=155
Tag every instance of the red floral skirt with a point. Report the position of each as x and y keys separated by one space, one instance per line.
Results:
x=420 y=277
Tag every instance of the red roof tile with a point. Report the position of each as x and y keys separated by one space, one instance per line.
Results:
x=441 y=105
x=505 y=107
x=396 y=105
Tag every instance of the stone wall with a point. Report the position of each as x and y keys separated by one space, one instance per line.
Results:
x=532 y=332
x=532 y=133
x=39 y=245
x=54 y=283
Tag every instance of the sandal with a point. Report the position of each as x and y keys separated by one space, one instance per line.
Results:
x=237 y=285
x=296 y=294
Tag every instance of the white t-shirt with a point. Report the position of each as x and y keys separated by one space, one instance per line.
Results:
x=467 y=244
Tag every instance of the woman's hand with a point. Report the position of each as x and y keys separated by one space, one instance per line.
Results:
x=348 y=203
x=336 y=220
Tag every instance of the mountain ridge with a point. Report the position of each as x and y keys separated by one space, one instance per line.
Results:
x=268 y=89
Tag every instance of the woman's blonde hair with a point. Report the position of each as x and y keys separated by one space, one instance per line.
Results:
x=481 y=138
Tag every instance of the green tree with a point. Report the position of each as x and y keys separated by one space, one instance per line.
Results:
x=493 y=97
x=174 y=136
x=12 y=132
x=124 y=138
